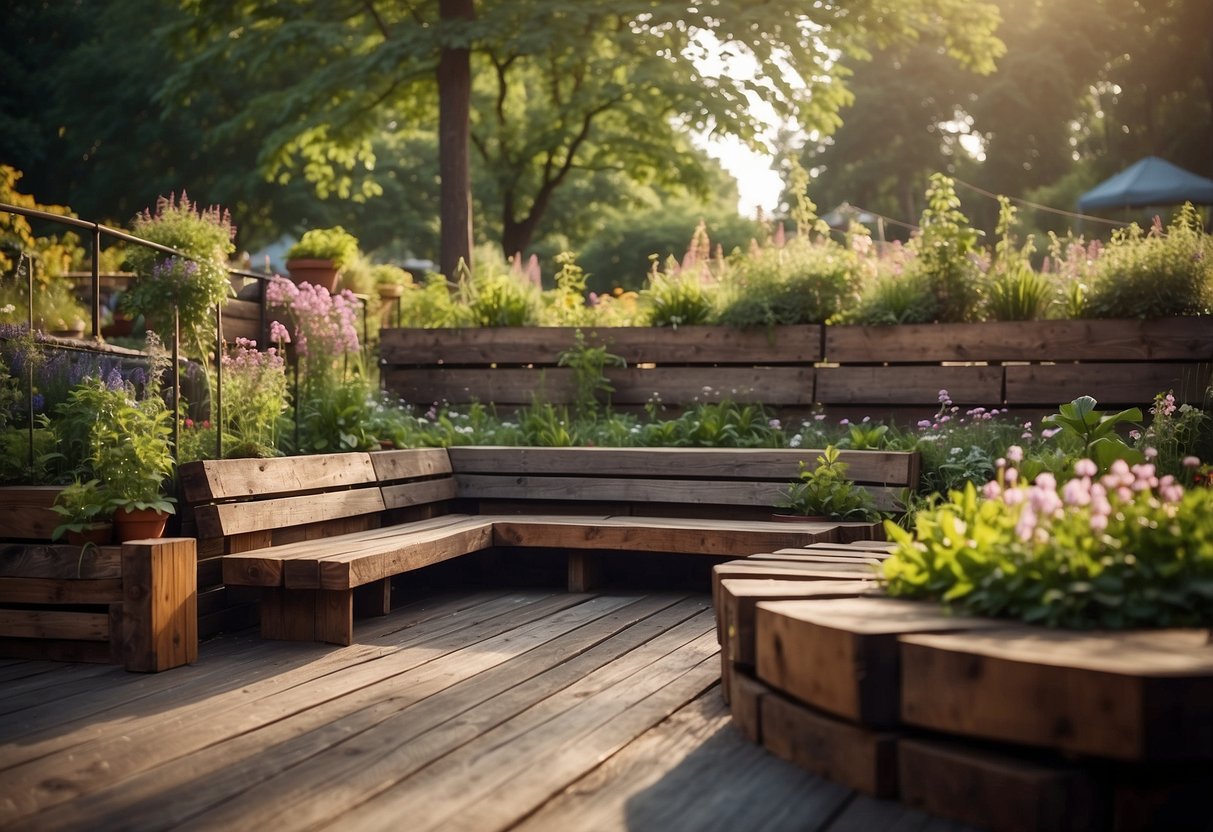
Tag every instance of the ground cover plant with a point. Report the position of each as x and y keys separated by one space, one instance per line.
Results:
x=1108 y=539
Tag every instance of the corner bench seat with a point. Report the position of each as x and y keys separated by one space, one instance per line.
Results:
x=309 y=587
x=322 y=536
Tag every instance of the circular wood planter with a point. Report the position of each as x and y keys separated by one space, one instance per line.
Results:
x=993 y=723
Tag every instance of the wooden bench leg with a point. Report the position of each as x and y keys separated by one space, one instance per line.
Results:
x=583 y=572
x=288 y=614
x=335 y=616
x=373 y=599
x=308 y=615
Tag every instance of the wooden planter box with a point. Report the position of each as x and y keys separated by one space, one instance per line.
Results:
x=1029 y=367
x=133 y=604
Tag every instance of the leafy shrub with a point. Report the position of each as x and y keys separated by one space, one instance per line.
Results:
x=500 y=300
x=675 y=298
x=895 y=299
x=825 y=491
x=802 y=282
x=946 y=251
x=1155 y=274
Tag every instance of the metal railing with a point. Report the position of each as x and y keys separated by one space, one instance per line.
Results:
x=94 y=232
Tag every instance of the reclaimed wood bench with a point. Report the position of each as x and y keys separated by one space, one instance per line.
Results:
x=322 y=537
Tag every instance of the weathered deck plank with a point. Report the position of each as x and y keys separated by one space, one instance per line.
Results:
x=530 y=710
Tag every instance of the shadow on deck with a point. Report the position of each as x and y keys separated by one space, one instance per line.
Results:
x=524 y=709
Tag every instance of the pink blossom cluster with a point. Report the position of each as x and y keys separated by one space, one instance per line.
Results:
x=245 y=360
x=1099 y=497
x=325 y=324
x=949 y=411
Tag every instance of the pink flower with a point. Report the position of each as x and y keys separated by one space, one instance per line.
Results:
x=1015 y=453
x=1191 y=462
x=1085 y=468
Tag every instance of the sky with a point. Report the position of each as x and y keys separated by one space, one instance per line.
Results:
x=757 y=181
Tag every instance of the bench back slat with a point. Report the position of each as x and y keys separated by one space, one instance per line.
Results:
x=410 y=464
x=408 y=494
x=214 y=479
x=237 y=518
x=892 y=468
x=610 y=489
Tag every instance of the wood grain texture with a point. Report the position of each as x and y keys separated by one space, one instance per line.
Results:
x=59 y=591
x=221 y=479
x=1182 y=339
x=842 y=656
x=160 y=604
x=515 y=386
x=997 y=790
x=1109 y=695
x=739 y=599
x=893 y=468
x=238 y=518
x=1124 y=385
x=408 y=494
x=53 y=624
x=410 y=464
x=25 y=512
x=909 y=385
x=637 y=345
x=60 y=562
x=722 y=538
x=856 y=757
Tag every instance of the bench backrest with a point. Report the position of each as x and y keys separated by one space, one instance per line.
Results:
x=732 y=482
x=250 y=503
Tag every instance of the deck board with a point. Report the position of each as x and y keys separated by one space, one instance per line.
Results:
x=528 y=709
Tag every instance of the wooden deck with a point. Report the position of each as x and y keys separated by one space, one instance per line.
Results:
x=522 y=709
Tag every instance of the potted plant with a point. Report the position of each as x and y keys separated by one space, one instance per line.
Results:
x=123 y=441
x=390 y=281
x=825 y=492
x=320 y=255
x=87 y=512
x=195 y=284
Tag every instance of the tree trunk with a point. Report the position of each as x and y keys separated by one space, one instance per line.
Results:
x=454 y=106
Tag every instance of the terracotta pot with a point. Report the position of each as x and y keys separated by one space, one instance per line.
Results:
x=316 y=272
x=139 y=524
x=99 y=534
x=390 y=291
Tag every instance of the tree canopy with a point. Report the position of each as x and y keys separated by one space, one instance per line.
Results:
x=556 y=87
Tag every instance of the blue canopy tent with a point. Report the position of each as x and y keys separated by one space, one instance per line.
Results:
x=1149 y=182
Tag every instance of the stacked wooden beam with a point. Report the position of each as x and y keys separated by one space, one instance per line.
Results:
x=988 y=722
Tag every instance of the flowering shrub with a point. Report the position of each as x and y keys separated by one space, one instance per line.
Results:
x=255 y=397
x=325 y=325
x=194 y=286
x=334 y=399
x=1128 y=549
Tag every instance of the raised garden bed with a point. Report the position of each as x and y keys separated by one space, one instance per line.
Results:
x=988 y=722
x=133 y=604
x=874 y=370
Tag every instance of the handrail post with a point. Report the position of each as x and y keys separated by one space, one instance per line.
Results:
x=96 y=282
x=217 y=397
x=29 y=359
x=176 y=384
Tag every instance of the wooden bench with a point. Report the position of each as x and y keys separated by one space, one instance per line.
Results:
x=322 y=536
